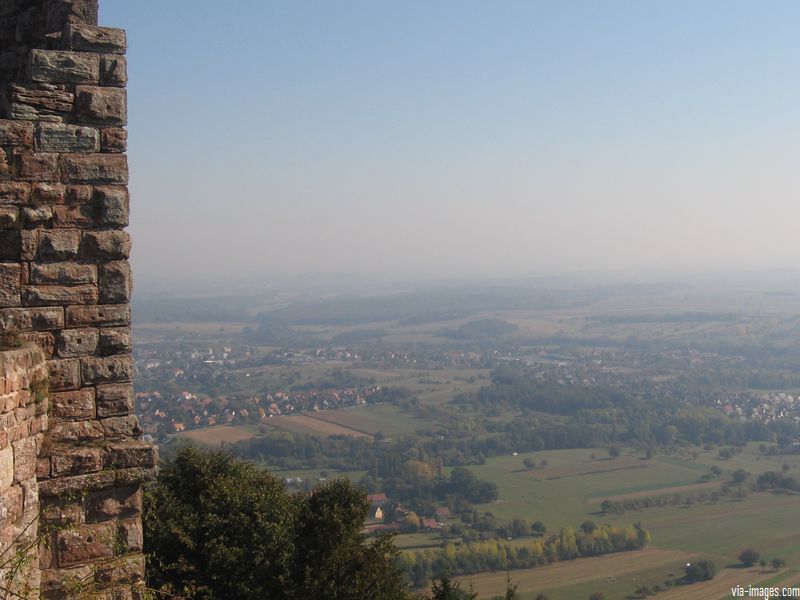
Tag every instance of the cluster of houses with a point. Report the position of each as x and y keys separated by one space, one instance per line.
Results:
x=402 y=518
x=763 y=407
x=162 y=414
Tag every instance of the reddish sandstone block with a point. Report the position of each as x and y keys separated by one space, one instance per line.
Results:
x=14 y=192
x=48 y=295
x=113 y=70
x=74 y=405
x=10 y=286
x=93 y=316
x=56 y=66
x=88 y=38
x=76 y=461
x=73 y=215
x=16 y=133
x=114 y=400
x=65 y=273
x=96 y=168
x=76 y=431
x=37 y=167
x=113 y=139
x=64 y=374
x=115 y=340
x=112 y=206
x=85 y=543
x=27 y=319
x=108 y=369
x=115 y=282
x=77 y=342
x=106 y=245
x=108 y=105
x=59 y=244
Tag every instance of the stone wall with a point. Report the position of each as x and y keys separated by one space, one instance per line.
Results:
x=65 y=281
x=23 y=418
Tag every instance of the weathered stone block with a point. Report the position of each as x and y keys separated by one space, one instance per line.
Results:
x=112 y=206
x=45 y=341
x=96 y=168
x=77 y=342
x=121 y=428
x=115 y=341
x=85 y=543
x=40 y=102
x=46 y=193
x=107 y=105
x=47 y=295
x=14 y=192
x=113 y=70
x=65 y=273
x=113 y=139
x=16 y=133
x=127 y=570
x=29 y=244
x=6 y=468
x=93 y=316
x=59 y=244
x=76 y=431
x=87 y=38
x=61 y=12
x=79 y=193
x=5 y=166
x=57 y=66
x=109 y=369
x=129 y=534
x=10 y=245
x=57 y=137
x=64 y=374
x=27 y=319
x=77 y=404
x=130 y=453
x=9 y=285
x=37 y=216
x=73 y=215
x=9 y=217
x=114 y=400
x=24 y=459
x=107 y=245
x=76 y=461
x=11 y=502
x=115 y=282
x=80 y=483
x=37 y=167
x=111 y=504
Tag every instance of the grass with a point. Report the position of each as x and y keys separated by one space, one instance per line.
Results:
x=569 y=489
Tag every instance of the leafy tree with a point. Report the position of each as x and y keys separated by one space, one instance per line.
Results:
x=702 y=570
x=529 y=463
x=749 y=557
x=450 y=589
x=614 y=451
x=778 y=563
x=597 y=596
x=740 y=476
x=218 y=528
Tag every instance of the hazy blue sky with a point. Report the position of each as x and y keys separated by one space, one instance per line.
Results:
x=461 y=137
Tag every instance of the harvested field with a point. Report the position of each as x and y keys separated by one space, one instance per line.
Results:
x=313 y=426
x=350 y=419
x=222 y=434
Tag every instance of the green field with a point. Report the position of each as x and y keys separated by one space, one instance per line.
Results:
x=570 y=488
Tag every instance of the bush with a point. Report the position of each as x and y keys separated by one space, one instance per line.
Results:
x=749 y=557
